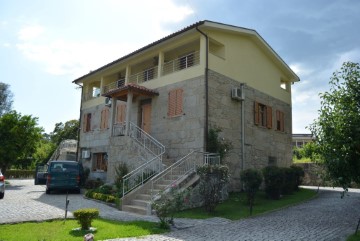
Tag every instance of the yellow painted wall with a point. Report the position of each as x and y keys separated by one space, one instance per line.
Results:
x=246 y=62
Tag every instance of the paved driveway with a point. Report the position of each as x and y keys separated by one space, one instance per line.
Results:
x=326 y=217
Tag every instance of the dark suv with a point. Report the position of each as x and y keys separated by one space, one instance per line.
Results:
x=60 y=175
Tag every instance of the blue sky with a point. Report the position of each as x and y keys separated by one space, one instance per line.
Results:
x=46 y=44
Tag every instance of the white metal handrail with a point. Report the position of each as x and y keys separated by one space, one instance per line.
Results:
x=147 y=170
x=143 y=76
x=181 y=169
x=181 y=63
x=114 y=85
x=146 y=140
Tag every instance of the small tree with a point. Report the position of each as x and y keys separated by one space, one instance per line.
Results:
x=336 y=130
x=85 y=217
x=215 y=144
x=213 y=179
x=251 y=179
x=169 y=202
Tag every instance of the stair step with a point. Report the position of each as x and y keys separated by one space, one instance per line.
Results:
x=140 y=203
x=143 y=196
x=134 y=209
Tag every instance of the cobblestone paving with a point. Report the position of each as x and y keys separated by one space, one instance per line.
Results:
x=326 y=217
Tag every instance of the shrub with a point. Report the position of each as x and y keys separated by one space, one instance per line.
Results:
x=100 y=196
x=121 y=170
x=92 y=184
x=273 y=179
x=105 y=189
x=12 y=173
x=299 y=175
x=168 y=204
x=85 y=217
x=213 y=178
x=251 y=179
x=215 y=144
x=289 y=183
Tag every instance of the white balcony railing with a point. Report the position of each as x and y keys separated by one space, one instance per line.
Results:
x=144 y=76
x=181 y=63
x=113 y=86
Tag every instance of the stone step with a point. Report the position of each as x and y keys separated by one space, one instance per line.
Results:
x=134 y=209
x=143 y=196
x=140 y=203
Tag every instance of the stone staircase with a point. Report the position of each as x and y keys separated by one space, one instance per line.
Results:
x=181 y=173
x=139 y=201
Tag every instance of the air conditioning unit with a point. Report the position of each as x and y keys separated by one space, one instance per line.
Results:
x=108 y=101
x=237 y=94
x=85 y=154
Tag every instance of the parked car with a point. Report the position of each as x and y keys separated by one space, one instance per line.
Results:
x=2 y=185
x=60 y=175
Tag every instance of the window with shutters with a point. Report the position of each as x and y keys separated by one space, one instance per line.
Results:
x=280 y=121
x=175 y=104
x=104 y=119
x=263 y=115
x=100 y=162
x=120 y=113
x=87 y=122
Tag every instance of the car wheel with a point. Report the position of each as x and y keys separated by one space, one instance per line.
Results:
x=47 y=191
x=2 y=195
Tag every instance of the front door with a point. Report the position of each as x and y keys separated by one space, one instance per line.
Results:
x=146 y=117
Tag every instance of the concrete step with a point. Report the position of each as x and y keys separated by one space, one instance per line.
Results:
x=143 y=196
x=140 y=203
x=134 y=209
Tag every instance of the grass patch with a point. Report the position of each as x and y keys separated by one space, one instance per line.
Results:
x=302 y=160
x=236 y=206
x=57 y=230
x=354 y=237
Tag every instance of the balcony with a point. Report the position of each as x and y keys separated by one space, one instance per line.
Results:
x=175 y=65
x=181 y=63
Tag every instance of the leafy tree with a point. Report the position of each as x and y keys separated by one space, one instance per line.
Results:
x=5 y=98
x=337 y=129
x=44 y=150
x=62 y=131
x=252 y=179
x=19 y=136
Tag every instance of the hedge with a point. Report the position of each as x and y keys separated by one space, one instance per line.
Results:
x=19 y=174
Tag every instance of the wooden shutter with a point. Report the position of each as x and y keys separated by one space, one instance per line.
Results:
x=84 y=122
x=172 y=103
x=179 y=102
x=256 y=113
x=106 y=126
x=268 y=117
x=121 y=113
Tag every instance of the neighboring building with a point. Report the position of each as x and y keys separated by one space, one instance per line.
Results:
x=206 y=75
x=299 y=140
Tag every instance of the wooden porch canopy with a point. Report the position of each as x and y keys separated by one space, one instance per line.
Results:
x=121 y=93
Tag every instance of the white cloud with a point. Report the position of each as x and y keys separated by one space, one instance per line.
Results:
x=76 y=58
x=30 y=32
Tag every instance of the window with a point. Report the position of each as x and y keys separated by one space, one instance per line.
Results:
x=186 y=61
x=175 y=104
x=104 y=119
x=100 y=162
x=120 y=113
x=263 y=115
x=96 y=92
x=279 y=120
x=87 y=122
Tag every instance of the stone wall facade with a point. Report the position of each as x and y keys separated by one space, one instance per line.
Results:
x=262 y=146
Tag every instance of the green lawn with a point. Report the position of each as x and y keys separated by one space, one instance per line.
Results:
x=236 y=208
x=354 y=237
x=57 y=230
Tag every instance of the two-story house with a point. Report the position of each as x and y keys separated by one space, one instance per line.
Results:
x=167 y=95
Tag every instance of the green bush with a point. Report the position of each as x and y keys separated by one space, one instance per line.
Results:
x=85 y=217
x=105 y=189
x=12 y=173
x=168 y=204
x=289 y=183
x=92 y=184
x=299 y=175
x=251 y=180
x=121 y=170
x=100 y=196
x=273 y=179
x=213 y=178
